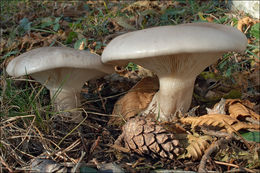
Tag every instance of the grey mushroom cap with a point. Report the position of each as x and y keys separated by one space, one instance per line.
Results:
x=61 y=70
x=47 y=58
x=168 y=40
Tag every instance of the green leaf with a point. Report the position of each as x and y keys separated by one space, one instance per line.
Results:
x=78 y=43
x=124 y=23
x=222 y=65
x=132 y=67
x=228 y=72
x=71 y=36
x=9 y=54
x=45 y=22
x=25 y=24
x=252 y=136
x=171 y=12
x=255 y=32
x=57 y=19
x=98 y=45
x=56 y=27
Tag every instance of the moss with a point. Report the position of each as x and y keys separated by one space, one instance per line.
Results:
x=233 y=94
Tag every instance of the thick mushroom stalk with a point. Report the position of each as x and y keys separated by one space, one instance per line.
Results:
x=65 y=86
x=63 y=71
x=177 y=74
x=177 y=54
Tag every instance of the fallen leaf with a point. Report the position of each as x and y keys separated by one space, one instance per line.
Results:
x=29 y=40
x=197 y=146
x=247 y=21
x=124 y=22
x=210 y=19
x=219 y=120
x=239 y=109
x=135 y=101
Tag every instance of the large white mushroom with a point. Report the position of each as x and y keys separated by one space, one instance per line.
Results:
x=62 y=70
x=177 y=54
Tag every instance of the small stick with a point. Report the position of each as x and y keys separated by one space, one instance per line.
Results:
x=213 y=147
x=238 y=134
x=235 y=166
x=75 y=169
x=5 y=164
x=94 y=145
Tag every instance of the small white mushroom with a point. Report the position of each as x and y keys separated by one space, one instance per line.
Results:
x=62 y=70
x=177 y=54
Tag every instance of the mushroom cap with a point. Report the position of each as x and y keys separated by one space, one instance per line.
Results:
x=178 y=39
x=47 y=58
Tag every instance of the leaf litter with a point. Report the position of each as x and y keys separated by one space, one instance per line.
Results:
x=38 y=133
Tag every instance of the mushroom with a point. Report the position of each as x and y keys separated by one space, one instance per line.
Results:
x=177 y=54
x=62 y=70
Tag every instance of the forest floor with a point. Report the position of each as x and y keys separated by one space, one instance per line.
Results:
x=34 y=136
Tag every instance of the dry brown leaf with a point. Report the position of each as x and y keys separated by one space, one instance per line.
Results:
x=82 y=45
x=241 y=125
x=162 y=5
x=215 y=120
x=143 y=72
x=29 y=40
x=135 y=5
x=239 y=109
x=219 y=120
x=247 y=21
x=124 y=22
x=197 y=146
x=136 y=100
x=210 y=19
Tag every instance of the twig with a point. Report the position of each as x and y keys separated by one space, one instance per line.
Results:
x=82 y=139
x=73 y=145
x=238 y=134
x=5 y=164
x=94 y=146
x=78 y=164
x=101 y=99
x=108 y=97
x=63 y=151
x=26 y=136
x=235 y=166
x=17 y=117
x=13 y=153
x=247 y=29
x=101 y=114
x=44 y=144
x=73 y=129
x=213 y=147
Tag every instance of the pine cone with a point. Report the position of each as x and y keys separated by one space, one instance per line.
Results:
x=145 y=137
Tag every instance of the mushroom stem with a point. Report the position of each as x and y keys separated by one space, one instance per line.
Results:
x=67 y=101
x=174 y=95
x=176 y=82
